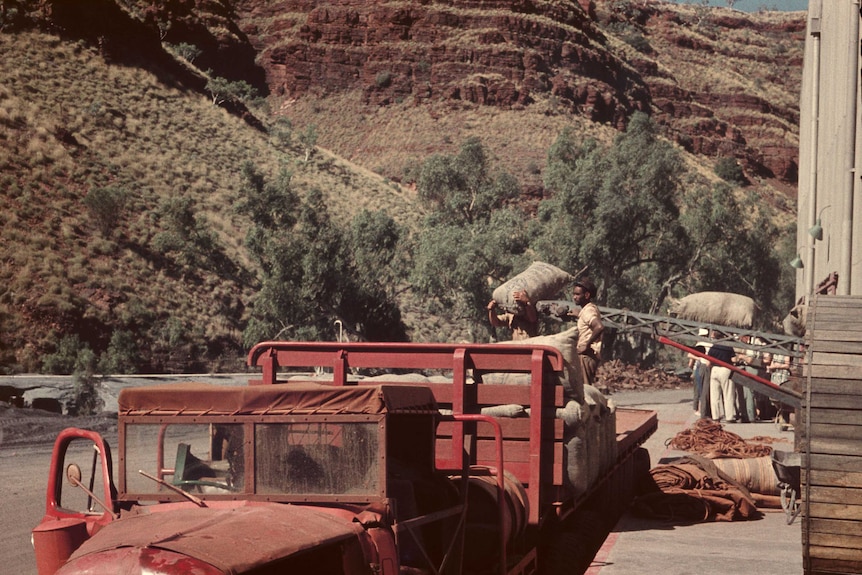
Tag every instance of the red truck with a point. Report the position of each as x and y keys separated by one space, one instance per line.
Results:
x=462 y=459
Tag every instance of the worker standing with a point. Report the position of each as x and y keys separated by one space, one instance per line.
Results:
x=590 y=328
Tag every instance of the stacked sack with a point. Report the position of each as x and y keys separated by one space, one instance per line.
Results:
x=589 y=418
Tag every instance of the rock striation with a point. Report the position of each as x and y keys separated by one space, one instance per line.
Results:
x=722 y=83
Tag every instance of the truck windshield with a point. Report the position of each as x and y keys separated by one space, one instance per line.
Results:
x=330 y=458
x=289 y=458
x=198 y=458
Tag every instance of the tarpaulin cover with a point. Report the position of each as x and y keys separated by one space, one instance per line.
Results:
x=293 y=398
x=236 y=540
x=693 y=489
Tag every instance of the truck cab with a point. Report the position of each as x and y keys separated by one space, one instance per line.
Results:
x=205 y=473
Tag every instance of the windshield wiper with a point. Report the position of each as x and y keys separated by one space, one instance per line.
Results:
x=196 y=500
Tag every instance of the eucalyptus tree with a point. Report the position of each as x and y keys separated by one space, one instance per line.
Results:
x=379 y=256
x=310 y=276
x=471 y=238
x=643 y=227
x=614 y=210
x=735 y=246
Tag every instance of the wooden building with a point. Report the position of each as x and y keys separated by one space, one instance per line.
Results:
x=829 y=434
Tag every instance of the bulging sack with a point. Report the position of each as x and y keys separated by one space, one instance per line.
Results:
x=572 y=378
x=541 y=281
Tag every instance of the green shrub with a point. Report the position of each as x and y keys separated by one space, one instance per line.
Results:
x=383 y=79
x=729 y=170
x=72 y=355
x=62 y=361
x=105 y=206
x=223 y=90
x=186 y=51
x=121 y=355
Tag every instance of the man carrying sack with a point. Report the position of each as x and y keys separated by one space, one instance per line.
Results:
x=524 y=323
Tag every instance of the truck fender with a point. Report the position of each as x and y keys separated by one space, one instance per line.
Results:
x=385 y=549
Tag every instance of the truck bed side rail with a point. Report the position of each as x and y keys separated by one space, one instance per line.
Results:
x=342 y=356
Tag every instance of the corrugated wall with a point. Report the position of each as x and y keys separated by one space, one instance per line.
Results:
x=830 y=148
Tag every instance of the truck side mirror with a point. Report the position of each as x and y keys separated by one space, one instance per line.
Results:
x=73 y=476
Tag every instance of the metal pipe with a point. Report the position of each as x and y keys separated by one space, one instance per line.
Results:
x=849 y=147
x=814 y=30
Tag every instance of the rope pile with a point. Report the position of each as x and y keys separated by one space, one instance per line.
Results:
x=709 y=439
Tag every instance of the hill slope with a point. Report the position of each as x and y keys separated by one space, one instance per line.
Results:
x=389 y=82
x=71 y=123
x=94 y=107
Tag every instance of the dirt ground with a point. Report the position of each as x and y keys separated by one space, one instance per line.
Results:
x=27 y=437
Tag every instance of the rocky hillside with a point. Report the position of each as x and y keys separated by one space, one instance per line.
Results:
x=374 y=75
x=387 y=82
x=95 y=96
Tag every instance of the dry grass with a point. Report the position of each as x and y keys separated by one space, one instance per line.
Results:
x=81 y=123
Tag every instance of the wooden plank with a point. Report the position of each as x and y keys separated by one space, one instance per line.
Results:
x=837 y=553
x=825 y=301
x=825 y=462
x=831 y=568
x=836 y=386
x=512 y=428
x=487 y=394
x=835 y=540
x=821 y=572
x=836 y=446
x=834 y=358
x=848 y=479
x=833 y=371
x=838 y=526
x=832 y=493
x=634 y=426
x=830 y=333
x=848 y=324
x=836 y=346
x=515 y=451
x=837 y=401
x=845 y=325
x=491 y=394
x=822 y=430
x=834 y=511
x=837 y=313
x=836 y=416
x=833 y=309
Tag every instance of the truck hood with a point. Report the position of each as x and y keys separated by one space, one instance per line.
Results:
x=234 y=539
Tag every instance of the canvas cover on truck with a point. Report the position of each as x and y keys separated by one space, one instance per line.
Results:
x=294 y=398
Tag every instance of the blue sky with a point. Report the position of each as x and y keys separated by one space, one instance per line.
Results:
x=754 y=5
